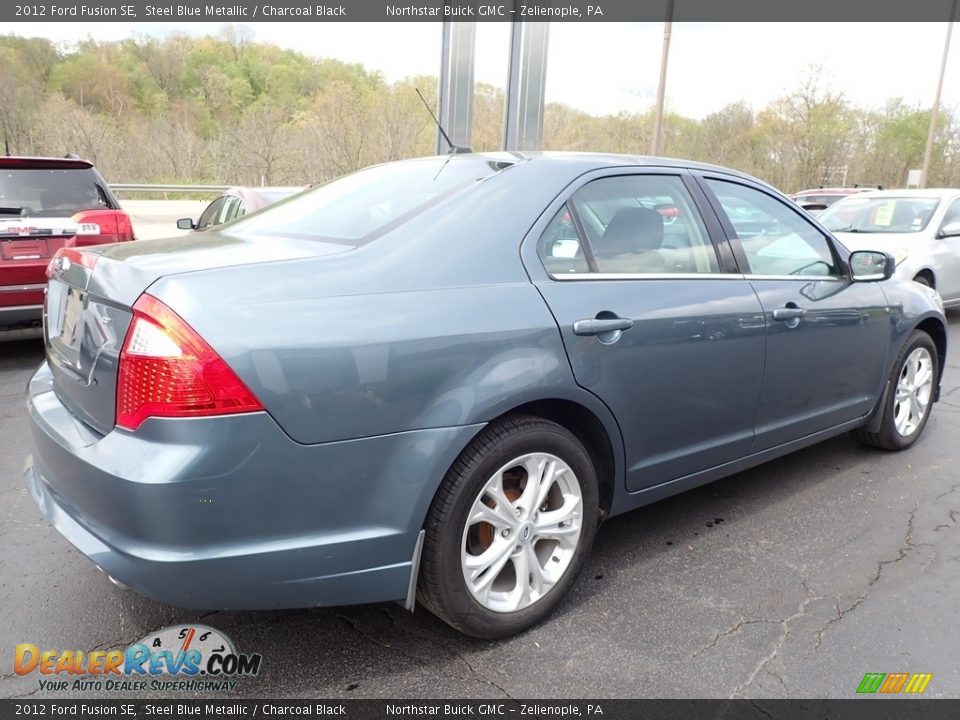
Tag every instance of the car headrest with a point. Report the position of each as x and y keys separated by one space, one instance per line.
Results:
x=632 y=230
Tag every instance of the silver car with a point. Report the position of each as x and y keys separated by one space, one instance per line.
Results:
x=920 y=228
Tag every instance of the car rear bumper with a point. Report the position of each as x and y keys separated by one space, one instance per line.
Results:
x=230 y=513
x=20 y=316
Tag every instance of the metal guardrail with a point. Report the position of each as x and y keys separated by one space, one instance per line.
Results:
x=137 y=187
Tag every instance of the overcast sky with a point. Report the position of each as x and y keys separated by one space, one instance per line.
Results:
x=610 y=67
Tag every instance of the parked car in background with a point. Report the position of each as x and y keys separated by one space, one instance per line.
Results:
x=434 y=378
x=47 y=204
x=236 y=202
x=920 y=228
x=818 y=200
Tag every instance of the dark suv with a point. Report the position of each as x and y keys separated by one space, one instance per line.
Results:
x=47 y=204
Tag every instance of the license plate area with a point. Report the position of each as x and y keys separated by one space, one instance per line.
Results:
x=32 y=249
x=65 y=310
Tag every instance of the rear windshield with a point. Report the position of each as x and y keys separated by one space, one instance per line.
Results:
x=357 y=208
x=817 y=199
x=49 y=193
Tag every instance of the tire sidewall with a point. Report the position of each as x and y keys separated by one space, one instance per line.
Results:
x=917 y=340
x=556 y=442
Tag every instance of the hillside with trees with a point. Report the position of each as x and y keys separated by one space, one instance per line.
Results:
x=228 y=110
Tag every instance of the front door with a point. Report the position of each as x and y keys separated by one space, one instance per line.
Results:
x=827 y=336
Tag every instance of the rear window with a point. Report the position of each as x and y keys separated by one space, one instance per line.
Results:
x=49 y=192
x=359 y=207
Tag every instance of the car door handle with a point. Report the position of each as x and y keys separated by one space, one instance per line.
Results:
x=789 y=313
x=599 y=326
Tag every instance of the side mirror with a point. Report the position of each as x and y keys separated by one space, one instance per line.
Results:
x=951 y=229
x=871 y=266
x=186 y=224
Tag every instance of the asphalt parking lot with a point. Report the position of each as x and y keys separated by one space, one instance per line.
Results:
x=789 y=580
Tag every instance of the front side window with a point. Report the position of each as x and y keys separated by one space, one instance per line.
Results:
x=952 y=215
x=880 y=214
x=775 y=239
x=634 y=224
x=231 y=209
x=211 y=216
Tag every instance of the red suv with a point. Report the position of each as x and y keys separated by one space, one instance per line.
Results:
x=47 y=204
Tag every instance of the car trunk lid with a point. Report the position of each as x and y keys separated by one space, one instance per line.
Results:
x=91 y=292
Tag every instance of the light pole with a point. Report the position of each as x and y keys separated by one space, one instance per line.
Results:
x=928 y=150
x=661 y=88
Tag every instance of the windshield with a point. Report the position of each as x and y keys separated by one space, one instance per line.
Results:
x=49 y=192
x=879 y=214
x=358 y=207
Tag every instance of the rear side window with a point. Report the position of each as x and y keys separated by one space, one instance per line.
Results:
x=634 y=224
x=359 y=207
x=776 y=239
x=43 y=192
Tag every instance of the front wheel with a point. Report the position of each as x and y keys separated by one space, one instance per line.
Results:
x=907 y=407
x=509 y=529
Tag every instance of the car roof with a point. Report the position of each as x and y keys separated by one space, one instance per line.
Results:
x=20 y=161
x=924 y=193
x=832 y=191
x=267 y=188
x=587 y=161
x=606 y=160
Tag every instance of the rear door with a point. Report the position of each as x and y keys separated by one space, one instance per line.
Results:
x=827 y=337
x=655 y=319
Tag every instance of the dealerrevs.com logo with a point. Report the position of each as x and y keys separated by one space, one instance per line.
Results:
x=178 y=657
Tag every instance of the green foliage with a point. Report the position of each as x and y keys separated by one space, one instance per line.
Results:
x=225 y=109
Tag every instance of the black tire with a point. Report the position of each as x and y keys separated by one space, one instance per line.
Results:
x=924 y=280
x=442 y=588
x=887 y=437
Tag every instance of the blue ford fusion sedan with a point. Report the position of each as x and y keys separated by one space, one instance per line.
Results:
x=432 y=379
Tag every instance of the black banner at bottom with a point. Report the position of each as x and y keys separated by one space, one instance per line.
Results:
x=854 y=709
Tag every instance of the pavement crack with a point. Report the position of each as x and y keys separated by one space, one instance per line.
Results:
x=778 y=645
x=737 y=627
x=760 y=710
x=18 y=697
x=907 y=545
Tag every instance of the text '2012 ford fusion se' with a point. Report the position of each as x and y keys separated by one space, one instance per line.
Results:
x=432 y=379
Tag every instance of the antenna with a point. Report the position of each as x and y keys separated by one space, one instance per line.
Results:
x=454 y=149
x=6 y=140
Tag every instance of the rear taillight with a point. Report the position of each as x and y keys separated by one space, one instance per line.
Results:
x=99 y=227
x=168 y=370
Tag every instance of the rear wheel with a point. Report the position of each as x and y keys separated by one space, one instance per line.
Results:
x=509 y=529
x=907 y=407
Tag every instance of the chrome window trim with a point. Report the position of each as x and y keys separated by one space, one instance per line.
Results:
x=805 y=278
x=693 y=276
x=648 y=276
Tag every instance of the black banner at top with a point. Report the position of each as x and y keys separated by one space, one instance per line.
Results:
x=245 y=11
